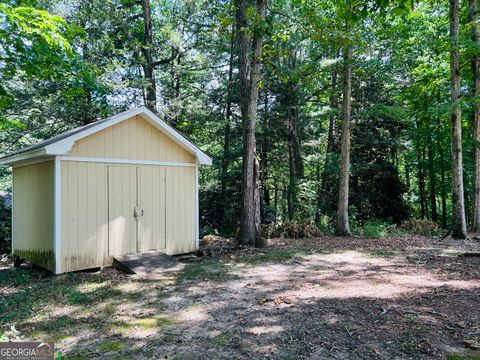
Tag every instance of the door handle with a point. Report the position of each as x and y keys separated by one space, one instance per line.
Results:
x=137 y=212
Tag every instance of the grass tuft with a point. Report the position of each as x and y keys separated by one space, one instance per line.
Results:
x=111 y=346
x=270 y=256
x=222 y=339
x=471 y=355
x=204 y=270
x=382 y=253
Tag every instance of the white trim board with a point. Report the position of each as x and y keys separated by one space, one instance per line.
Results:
x=125 y=161
x=34 y=155
x=57 y=216
x=13 y=214
x=197 y=211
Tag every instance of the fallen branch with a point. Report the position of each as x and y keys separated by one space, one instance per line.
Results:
x=348 y=331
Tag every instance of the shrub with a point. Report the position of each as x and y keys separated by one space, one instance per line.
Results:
x=294 y=229
x=271 y=230
x=376 y=228
x=326 y=225
x=5 y=221
x=423 y=227
x=373 y=228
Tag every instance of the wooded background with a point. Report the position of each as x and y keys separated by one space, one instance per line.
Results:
x=273 y=86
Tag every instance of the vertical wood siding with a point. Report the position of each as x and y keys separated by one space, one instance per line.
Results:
x=181 y=222
x=122 y=198
x=132 y=139
x=33 y=213
x=97 y=199
x=84 y=223
x=97 y=215
x=152 y=199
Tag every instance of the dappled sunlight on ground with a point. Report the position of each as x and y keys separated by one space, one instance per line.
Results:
x=198 y=313
x=258 y=330
x=383 y=302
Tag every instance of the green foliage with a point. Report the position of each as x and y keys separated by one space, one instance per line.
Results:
x=5 y=220
x=374 y=228
x=66 y=66
x=12 y=335
x=78 y=298
x=15 y=277
x=35 y=44
x=34 y=41
x=325 y=225
x=16 y=306
x=378 y=228
x=47 y=86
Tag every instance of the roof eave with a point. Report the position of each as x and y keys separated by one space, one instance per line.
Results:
x=28 y=155
x=204 y=159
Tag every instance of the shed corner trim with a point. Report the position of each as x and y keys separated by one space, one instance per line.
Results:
x=57 y=215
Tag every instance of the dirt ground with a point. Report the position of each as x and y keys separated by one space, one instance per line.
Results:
x=339 y=298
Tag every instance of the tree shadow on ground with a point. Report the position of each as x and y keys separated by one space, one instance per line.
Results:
x=344 y=304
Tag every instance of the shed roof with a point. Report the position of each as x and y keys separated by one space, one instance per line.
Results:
x=62 y=143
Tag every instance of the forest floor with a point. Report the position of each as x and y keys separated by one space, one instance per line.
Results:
x=339 y=298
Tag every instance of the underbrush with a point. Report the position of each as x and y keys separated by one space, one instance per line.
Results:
x=373 y=228
x=294 y=229
x=423 y=227
x=377 y=229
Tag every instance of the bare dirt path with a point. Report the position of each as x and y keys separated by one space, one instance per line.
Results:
x=323 y=298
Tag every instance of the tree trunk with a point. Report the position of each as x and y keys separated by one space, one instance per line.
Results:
x=249 y=75
x=420 y=172
x=275 y=197
x=296 y=168
x=459 y=226
x=227 y=130
x=342 y=226
x=284 y=202
x=177 y=77
x=475 y=35
x=260 y=241
x=431 y=173
x=443 y=189
x=424 y=194
x=264 y=153
x=294 y=146
x=407 y=176
x=324 y=185
x=148 y=63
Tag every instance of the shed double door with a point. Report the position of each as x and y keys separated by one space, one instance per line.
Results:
x=136 y=209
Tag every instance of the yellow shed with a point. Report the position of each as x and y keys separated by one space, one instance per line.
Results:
x=125 y=184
